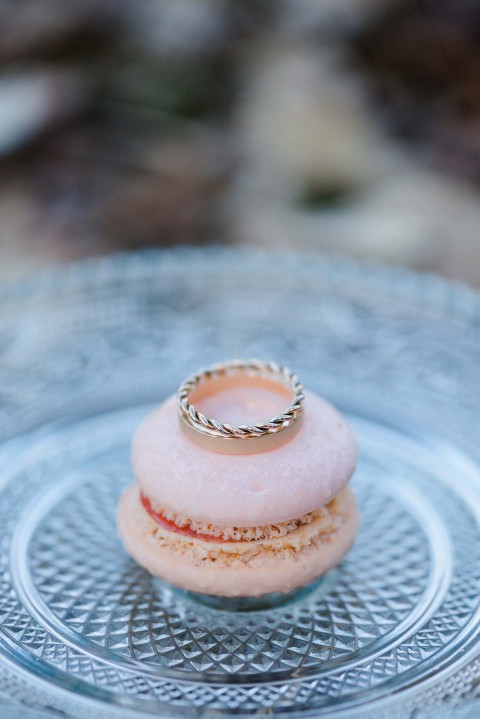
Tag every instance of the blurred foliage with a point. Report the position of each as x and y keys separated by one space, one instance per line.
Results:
x=424 y=62
x=290 y=123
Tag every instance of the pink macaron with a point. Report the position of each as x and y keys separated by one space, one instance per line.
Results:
x=241 y=525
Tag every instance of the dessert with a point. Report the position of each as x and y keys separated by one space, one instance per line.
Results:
x=247 y=513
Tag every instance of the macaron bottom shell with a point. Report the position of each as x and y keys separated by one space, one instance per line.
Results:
x=265 y=573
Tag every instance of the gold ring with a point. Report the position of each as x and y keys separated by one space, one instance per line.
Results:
x=240 y=439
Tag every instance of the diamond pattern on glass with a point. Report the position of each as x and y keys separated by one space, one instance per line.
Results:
x=112 y=603
x=75 y=609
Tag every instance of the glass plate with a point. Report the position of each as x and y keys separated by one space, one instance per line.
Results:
x=86 y=351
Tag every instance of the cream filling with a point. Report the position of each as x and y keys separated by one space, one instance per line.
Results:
x=292 y=536
x=267 y=531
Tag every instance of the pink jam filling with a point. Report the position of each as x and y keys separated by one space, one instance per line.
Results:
x=173 y=527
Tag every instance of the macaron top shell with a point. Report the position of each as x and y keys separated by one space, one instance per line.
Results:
x=244 y=490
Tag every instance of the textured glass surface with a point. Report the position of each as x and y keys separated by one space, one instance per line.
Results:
x=86 y=352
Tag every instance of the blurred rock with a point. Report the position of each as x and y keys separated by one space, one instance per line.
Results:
x=319 y=174
x=40 y=26
x=98 y=192
x=301 y=117
x=176 y=199
x=169 y=89
x=21 y=248
x=183 y=28
x=296 y=124
x=34 y=101
x=423 y=60
x=302 y=18
x=409 y=217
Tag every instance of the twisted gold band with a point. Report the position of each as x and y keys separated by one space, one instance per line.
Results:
x=232 y=439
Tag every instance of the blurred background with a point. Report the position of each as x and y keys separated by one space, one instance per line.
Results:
x=344 y=126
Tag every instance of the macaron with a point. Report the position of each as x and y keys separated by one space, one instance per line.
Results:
x=241 y=525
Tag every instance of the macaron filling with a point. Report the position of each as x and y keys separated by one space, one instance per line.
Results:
x=207 y=540
x=173 y=526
